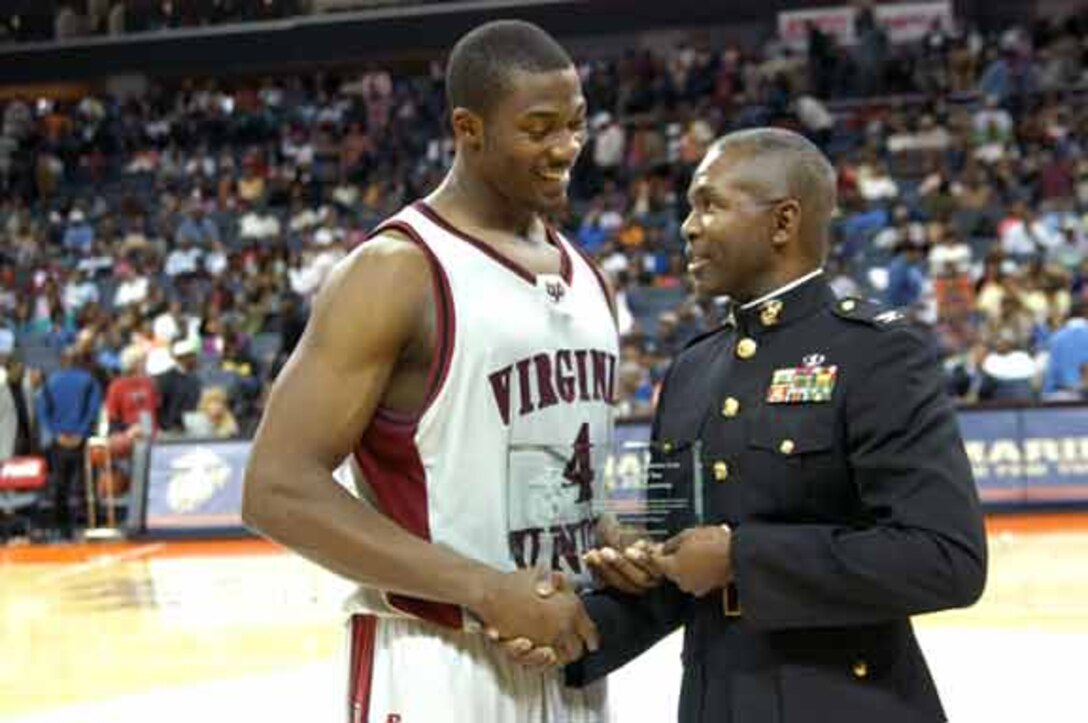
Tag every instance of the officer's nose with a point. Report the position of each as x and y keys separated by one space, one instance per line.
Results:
x=690 y=228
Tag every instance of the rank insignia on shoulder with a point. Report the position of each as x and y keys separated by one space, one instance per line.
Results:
x=801 y=385
x=887 y=317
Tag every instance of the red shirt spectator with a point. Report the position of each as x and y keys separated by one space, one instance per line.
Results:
x=1056 y=179
x=131 y=396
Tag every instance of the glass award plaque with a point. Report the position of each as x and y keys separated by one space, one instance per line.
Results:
x=559 y=495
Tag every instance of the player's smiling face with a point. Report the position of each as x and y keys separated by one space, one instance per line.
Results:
x=532 y=138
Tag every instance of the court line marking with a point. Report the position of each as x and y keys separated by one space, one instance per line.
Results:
x=99 y=562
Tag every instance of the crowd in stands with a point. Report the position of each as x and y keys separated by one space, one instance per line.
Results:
x=159 y=254
x=44 y=20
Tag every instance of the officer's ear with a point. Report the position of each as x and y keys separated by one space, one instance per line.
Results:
x=787 y=221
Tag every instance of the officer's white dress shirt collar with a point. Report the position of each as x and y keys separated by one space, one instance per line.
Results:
x=783 y=289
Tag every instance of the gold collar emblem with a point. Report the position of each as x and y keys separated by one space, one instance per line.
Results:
x=770 y=311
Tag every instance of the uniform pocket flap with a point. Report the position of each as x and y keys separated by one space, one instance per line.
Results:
x=792 y=430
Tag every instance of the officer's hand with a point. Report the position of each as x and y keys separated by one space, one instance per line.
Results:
x=698 y=560
x=632 y=571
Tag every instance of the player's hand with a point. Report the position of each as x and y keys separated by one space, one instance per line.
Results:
x=524 y=652
x=632 y=571
x=698 y=559
x=544 y=611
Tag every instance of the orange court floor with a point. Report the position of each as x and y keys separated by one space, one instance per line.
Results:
x=241 y=630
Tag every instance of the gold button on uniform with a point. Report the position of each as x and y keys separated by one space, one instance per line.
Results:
x=861 y=669
x=730 y=407
x=847 y=304
x=721 y=471
x=746 y=348
x=786 y=447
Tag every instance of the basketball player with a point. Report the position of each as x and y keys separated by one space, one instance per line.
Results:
x=464 y=335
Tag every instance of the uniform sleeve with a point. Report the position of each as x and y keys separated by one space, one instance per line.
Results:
x=628 y=625
x=919 y=545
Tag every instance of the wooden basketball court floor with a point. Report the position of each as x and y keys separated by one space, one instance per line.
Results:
x=239 y=630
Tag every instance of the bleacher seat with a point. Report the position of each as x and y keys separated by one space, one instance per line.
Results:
x=647 y=303
x=265 y=347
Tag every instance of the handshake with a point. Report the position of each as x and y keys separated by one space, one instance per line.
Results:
x=541 y=622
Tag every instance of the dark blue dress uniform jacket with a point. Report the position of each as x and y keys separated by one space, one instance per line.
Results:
x=849 y=516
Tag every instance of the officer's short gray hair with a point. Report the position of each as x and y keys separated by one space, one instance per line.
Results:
x=809 y=176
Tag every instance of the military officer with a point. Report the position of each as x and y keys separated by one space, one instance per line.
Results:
x=840 y=499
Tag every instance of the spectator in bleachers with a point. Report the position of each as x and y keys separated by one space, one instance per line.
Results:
x=948 y=255
x=179 y=387
x=79 y=235
x=906 y=277
x=992 y=122
x=975 y=201
x=8 y=330
x=18 y=425
x=216 y=419
x=1074 y=247
x=131 y=288
x=634 y=389
x=1014 y=321
x=79 y=291
x=815 y=118
x=875 y=183
x=1024 y=234
x=1068 y=353
x=1008 y=371
x=183 y=262
x=132 y=398
x=200 y=231
x=323 y=154
x=1056 y=182
x=609 y=144
x=67 y=408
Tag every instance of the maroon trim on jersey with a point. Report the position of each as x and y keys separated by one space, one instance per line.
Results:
x=564 y=259
x=445 y=319
x=361 y=672
x=390 y=463
x=566 y=270
x=608 y=298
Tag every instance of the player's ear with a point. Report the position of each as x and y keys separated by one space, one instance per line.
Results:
x=468 y=128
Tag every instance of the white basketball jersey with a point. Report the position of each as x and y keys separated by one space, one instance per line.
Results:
x=500 y=464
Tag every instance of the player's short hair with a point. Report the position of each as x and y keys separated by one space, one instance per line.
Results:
x=481 y=63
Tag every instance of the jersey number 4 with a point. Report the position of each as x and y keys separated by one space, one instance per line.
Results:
x=579 y=469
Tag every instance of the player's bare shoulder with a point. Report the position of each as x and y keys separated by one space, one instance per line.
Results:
x=377 y=292
x=389 y=259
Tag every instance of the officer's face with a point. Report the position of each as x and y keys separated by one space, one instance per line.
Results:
x=728 y=229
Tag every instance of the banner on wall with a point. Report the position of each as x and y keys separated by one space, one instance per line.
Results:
x=903 y=22
x=1028 y=455
x=1019 y=457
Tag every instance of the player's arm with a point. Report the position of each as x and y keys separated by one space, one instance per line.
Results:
x=373 y=307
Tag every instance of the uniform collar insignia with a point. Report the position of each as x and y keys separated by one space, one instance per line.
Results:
x=769 y=311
